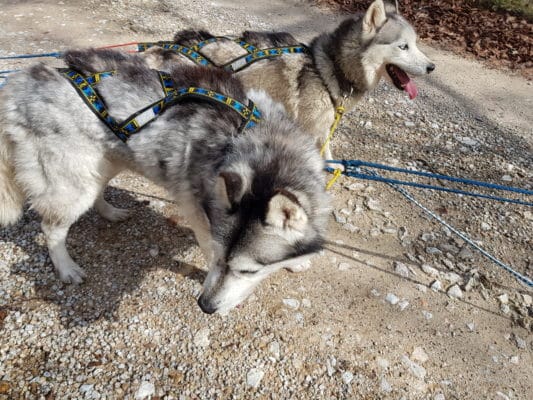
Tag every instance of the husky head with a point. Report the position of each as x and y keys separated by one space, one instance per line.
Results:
x=268 y=212
x=379 y=44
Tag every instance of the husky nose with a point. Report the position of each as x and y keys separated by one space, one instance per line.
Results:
x=205 y=306
x=430 y=68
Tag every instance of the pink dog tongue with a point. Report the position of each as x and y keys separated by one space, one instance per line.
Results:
x=407 y=84
x=410 y=88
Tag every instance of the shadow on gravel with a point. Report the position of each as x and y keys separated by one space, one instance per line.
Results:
x=116 y=257
x=331 y=247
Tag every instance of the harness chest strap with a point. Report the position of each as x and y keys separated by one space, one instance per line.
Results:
x=250 y=114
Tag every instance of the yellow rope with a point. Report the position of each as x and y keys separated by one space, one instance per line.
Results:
x=336 y=174
x=339 y=111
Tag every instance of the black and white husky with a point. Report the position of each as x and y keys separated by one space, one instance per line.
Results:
x=255 y=199
x=339 y=68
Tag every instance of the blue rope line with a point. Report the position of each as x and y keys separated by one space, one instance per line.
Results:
x=54 y=54
x=355 y=172
x=522 y=278
x=349 y=164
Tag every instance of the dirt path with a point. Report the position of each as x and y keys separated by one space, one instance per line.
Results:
x=362 y=323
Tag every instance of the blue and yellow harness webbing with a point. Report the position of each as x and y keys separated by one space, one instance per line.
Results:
x=185 y=51
x=135 y=122
x=235 y=65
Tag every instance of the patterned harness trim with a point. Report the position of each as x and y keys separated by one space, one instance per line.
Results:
x=135 y=122
x=235 y=65
x=185 y=51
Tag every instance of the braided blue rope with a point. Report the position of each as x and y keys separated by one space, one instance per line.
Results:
x=54 y=54
x=352 y=169
x=360 y=163
x=522 y=278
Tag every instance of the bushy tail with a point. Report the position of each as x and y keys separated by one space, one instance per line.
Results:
x=11 y=197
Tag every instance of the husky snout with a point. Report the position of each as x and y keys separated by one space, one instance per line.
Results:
x=205 y=305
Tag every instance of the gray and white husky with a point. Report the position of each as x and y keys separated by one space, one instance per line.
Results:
x=339 y=69
x=256 y=200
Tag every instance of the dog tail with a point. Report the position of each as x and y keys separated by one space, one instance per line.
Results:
x=11 y=196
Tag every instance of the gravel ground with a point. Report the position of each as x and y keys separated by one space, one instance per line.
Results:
x=395 y=307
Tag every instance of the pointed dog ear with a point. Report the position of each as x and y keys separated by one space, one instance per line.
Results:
x=229 y=188
x=391 y=7
x=285 y=212
x=375 y=17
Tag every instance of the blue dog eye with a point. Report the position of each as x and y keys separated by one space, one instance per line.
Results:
x=403 y=46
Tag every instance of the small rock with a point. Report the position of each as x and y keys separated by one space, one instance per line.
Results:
x=344 y=266
x=382 y=363
x=520 y=343
x=368 y=124
x=419 y=355
x=341 y=219
x=347 y=377
x=502 y=396
x=436 y=286
x=306 y=303
x=468 y=141
x=274 y=349
x=455 y=292
x=433 y=250
x=403 y=304
x=507 y=178
x=401 y=269
x=409 y=124
x=427 y=315
x=147 y=389
x=421 y=288
x=452 y=277
x=85 y=388
x=503 y=298
x=201 y=338
x=429 y=270
x=385 y=386
x=372 y=204
x=485 y=227
x=514 y=360
x=254 y=376
x=154 y=251
x=471 y=326
x=439 y=396
x=526 y=299
x=374 y=292
x=291 y=303
x=466 y=254
x=350 y=228
x=414 y=368
x=392 y=299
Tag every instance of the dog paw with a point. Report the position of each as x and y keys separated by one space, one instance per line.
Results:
x=71 y=273
x=300 y=268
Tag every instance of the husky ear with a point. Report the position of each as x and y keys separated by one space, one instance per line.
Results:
x=375 y=17
x=285 y=211
x=391 y=7
x=229 y=188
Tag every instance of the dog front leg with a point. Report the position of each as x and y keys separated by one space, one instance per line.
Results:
x=68 y=270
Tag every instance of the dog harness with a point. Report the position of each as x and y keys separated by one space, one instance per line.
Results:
x=237 y=64
x=134 y=123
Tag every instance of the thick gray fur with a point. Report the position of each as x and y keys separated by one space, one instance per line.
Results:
x=250 y=196
x=341 y=67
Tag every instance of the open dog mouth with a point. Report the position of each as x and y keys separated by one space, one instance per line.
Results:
x=401 y=80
